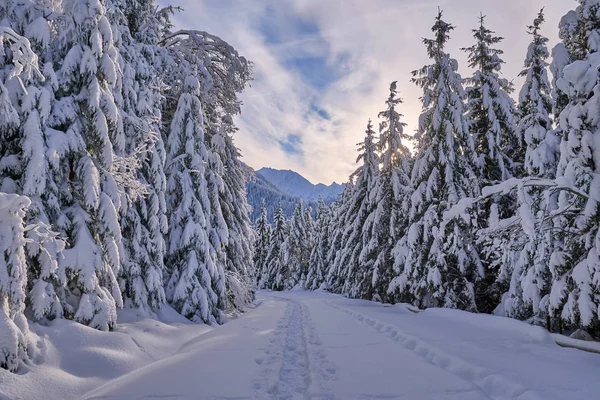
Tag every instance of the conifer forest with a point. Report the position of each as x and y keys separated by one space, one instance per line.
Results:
x=121 y=185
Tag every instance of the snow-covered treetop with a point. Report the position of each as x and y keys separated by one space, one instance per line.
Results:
x=392 y=132
x=535 y=61
x=225 y=72
x=367 y=154
x=482 y=55
x=535 y=105
x=442 y=30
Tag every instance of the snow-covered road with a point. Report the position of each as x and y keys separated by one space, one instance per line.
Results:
x=310 y=345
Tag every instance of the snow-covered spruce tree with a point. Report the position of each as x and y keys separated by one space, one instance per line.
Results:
x=139 y=99
x=388 y=222
x=262 y=244
x=352 y=270
x=442 y=264
x=310 y=224
x=500 y=151
x=317 y=266
x=530 y=281
x=13 y=280
x=297 y=246
x=85 y=119
x=535 y=107
x=491 y=111
x=277 y=269
x=239 y=247
x=190 y=257
x=293 y=251
x=31 y=148
x=222 y=74
x=335 y=278
x=575 y=265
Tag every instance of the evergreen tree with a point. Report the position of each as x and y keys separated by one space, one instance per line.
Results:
x=31 y=144
x=193 y=265
x=262 y=245
x=355 y=268
x=277 y=269
x=143 y=216
x=530 y=281
x=574 y=264
x=317 y=266
x=295 y=250
x=239 y=247
x=500 y=150
x=388 y=224
x=535 y=106
x=223 y=74
x=442 y=264
x=335 y=278
x=491 y=111
x=86 y=115
x=84 y=147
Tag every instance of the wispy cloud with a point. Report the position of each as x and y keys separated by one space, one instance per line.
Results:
x=322 y=67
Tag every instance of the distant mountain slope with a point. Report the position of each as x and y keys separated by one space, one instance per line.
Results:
x=287 y=187
x=259 y=188
x=294 y=184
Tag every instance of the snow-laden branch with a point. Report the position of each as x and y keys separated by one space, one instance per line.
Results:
x=125 y=171
x=464 y=205
x=48 y=14
x=24 y=59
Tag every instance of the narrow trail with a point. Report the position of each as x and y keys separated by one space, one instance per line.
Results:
x=487 y=383
x=294 y=376
x=296 y=357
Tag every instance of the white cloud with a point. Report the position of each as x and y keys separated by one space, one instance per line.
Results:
x=370 y=43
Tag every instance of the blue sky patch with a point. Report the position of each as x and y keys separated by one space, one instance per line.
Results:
x=298 y=44
x=292 y=144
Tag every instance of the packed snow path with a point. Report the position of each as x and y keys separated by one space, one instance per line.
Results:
x=310 y=345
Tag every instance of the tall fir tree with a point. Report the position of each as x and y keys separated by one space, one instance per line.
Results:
x=574 y=264
x=442 y=264
x=491 y=111
x=240 y=243
x=277 y=270
x=296 y=250
x=530 y=281
x=190 y=286
x=261 y=247
x=535 y=106
x=32 y=95
x=143 y=217
x=86 y=115
x=352 y=262
x=500 y=151
x=317 y=266
x=335 y=277
x=389 y=221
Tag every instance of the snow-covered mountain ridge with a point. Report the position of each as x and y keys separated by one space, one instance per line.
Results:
x=294 y=184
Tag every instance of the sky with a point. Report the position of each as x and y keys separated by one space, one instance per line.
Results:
x=322 y=68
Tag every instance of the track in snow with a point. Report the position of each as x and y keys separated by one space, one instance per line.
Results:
x=303 y=366
x=489 y=384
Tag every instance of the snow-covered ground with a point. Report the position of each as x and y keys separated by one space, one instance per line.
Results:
x=71 y=359
x=311 y=345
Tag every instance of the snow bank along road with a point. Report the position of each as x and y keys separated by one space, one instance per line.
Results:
x=310 y=345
